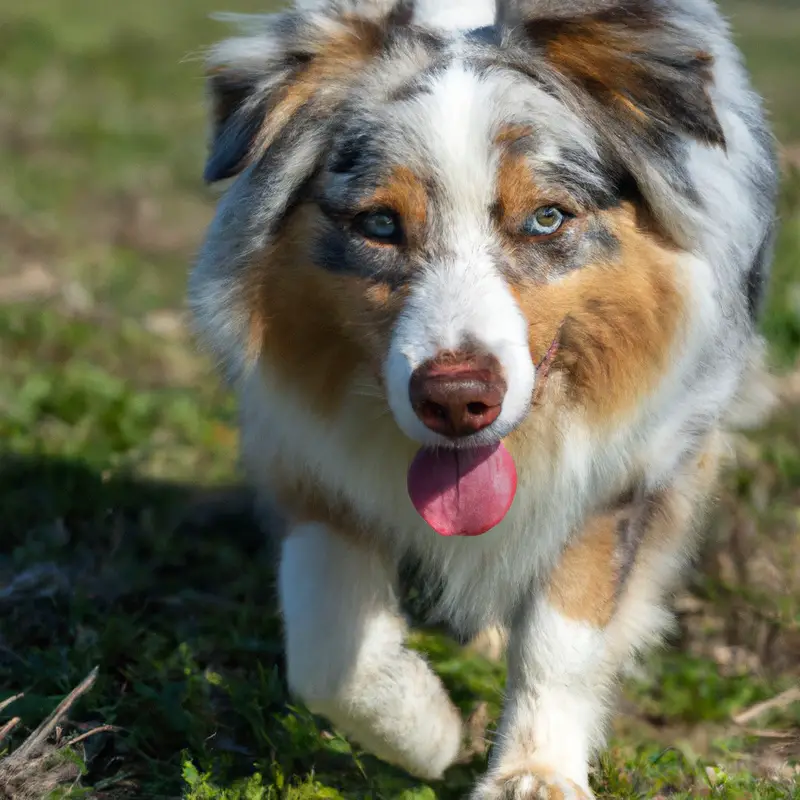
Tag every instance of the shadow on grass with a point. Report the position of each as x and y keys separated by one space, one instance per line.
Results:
x=169 y=590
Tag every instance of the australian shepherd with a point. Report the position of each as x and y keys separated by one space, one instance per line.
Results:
x=486 y=282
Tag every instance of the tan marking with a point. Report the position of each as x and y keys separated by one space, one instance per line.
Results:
x=325 y=75
x=600 y=54
x=610 y=61
x=584 y=584
x=518 y=196
x=508 y=134
x=629 y=105
x=674 y=524
x=592 y=581
x=404 y=193
x=621 y=321
x=316 y=329
x=304 y=501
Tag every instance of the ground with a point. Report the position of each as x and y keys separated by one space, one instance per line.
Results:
x=126 y=545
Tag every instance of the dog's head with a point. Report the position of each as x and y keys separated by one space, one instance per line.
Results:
x=448 y=214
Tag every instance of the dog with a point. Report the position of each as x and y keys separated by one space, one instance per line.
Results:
x=485 y=279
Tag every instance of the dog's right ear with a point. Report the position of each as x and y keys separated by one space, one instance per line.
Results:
x=239 y=105
x=282 y=64
x=248 y=76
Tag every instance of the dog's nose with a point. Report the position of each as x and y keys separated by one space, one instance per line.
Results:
x=457 y=394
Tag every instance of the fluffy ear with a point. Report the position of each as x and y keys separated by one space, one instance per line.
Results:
x=629 y=56
x=281 y=64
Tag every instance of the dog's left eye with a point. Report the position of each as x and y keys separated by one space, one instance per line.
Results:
x=544 y=221
x=380 y=226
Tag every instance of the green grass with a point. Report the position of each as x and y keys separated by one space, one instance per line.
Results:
x=125 y=544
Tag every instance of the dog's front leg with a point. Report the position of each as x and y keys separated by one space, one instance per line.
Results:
x=346 y=657
x=603 y=603
x=554 y=711
x=563 y=656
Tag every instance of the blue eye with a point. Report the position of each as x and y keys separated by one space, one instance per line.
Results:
x=544 y=221
x=382 y=226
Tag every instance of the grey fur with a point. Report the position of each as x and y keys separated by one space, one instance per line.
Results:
x=683 y=137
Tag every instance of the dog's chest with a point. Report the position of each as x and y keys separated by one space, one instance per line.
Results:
x=360 y=459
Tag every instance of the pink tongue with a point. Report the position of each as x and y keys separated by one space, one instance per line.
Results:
x=462 y=492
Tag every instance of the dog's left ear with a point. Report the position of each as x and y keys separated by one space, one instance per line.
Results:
x=628 y=56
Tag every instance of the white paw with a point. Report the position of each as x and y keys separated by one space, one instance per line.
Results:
x=542 y=785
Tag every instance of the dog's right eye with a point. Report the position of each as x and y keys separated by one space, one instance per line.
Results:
x=379 y=226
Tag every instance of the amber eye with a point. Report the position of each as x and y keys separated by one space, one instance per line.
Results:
x=544 y=221
x=380 y=226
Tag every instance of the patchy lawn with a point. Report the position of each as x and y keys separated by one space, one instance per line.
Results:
x=127 y=546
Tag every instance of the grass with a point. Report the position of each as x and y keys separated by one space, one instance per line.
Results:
x=126 y=544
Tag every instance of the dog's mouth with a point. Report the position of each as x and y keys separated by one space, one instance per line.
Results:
x=468 y=491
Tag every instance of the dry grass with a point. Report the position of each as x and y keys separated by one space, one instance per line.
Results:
x=47 y=760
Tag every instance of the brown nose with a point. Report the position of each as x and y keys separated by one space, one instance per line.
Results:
x=456 y=394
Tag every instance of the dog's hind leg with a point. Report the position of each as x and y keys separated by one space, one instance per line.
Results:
x=346 y=656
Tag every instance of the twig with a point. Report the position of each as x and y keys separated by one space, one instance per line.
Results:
x=783 y=700
x=37 y=739
x=768 y=734
x=92 y=732
x=36 y=768
x=8 y=727
x=9 y=700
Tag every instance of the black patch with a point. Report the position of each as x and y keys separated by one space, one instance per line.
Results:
x=591 y=182
x=420 y=83
x=625 y=149
x=329 y=250
x=402 y=14
x=669 y=153
x=408 y=90
x=666 y=76
x=636 y=512
x=237 y=120
x=339 y=249
x=629 y=532
x=489 y=34
x=757 y=276
x=356 y=161
x=542 y=260
x=412 y=37
x=603 y=242
x=350 y=151
x=419 y=589
x=433 y=43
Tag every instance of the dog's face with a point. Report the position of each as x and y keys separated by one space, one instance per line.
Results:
x=447 y=219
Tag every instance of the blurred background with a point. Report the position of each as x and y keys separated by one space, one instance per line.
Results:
x=123 y=546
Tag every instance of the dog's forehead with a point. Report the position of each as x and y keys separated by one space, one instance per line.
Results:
x=452 y=120
x=465 y=102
